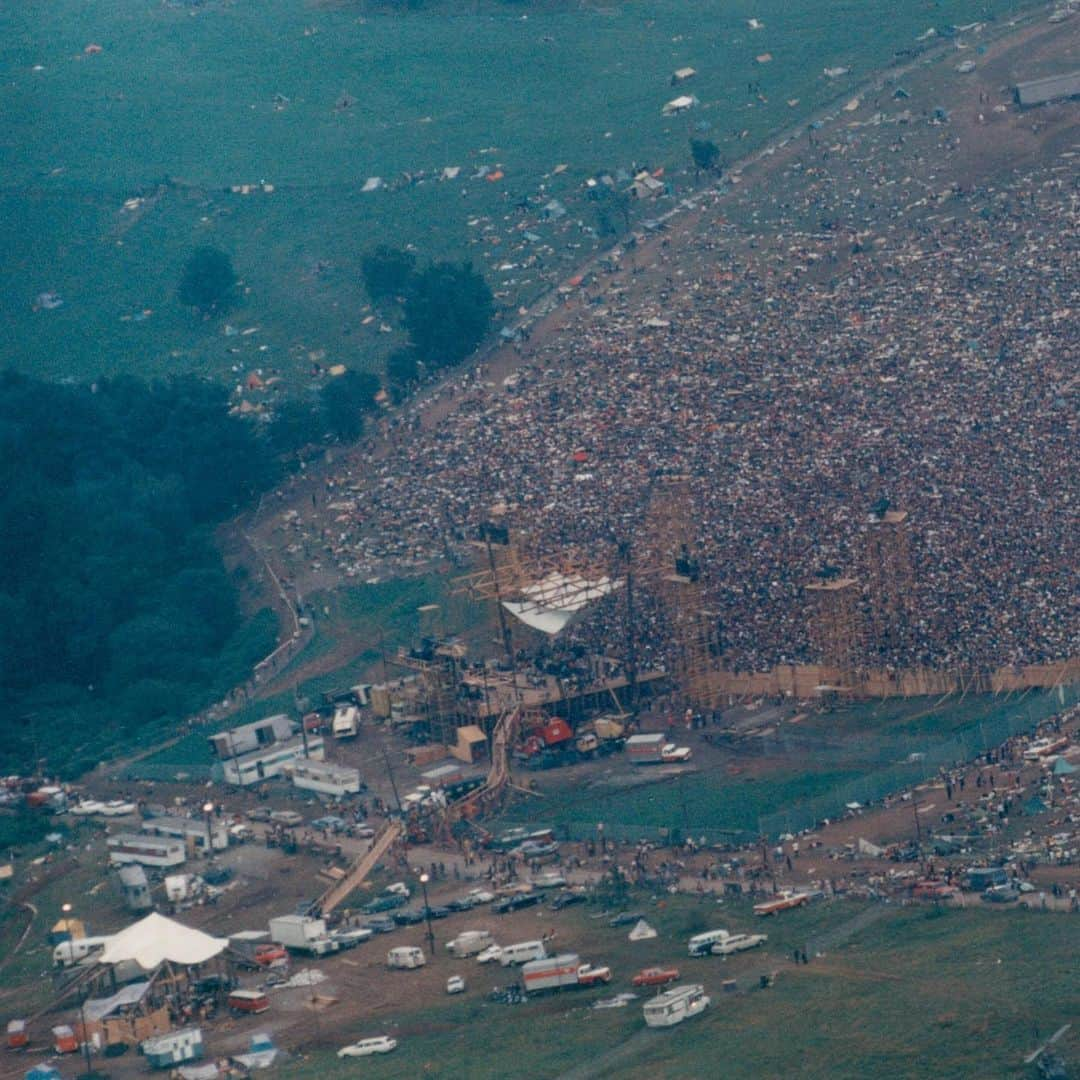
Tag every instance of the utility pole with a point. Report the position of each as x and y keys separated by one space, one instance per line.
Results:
x=393 y=782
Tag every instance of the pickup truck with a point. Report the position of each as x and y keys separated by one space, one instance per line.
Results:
x=587 y=975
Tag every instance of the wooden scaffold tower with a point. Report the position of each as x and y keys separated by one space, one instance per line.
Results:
x=835 y=628
x=890 y=582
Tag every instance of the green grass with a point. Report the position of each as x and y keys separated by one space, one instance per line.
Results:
x=954 y=994
x=187 y=94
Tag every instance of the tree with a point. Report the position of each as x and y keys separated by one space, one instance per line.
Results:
x=346 y=400
x=706 y=154
x=388 y=272
x=402 y=367
x=208 y=282
x=448 y=312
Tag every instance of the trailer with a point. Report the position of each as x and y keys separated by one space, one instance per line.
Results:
x=195 y=831
x=323 y=777
x=346 y=722
x=676 y=1005
x=165 y=1051
x=552 y=973
x=147 y=850
x=646 y=749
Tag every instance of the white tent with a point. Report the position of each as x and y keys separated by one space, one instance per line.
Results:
x=642 y=931
x=155 y=939
x=552 y=603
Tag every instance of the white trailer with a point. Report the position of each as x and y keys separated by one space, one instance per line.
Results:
x=406 y=956
x=676 y=1005
x=146 y=850
x=196 y=831
x=323 y=777
x=552 y=973
x=165 y=1051
x=77 y=950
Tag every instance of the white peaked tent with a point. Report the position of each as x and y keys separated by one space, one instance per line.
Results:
x=155 y=939
x=642 y=931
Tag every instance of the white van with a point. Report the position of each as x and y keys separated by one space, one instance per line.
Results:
x=470 y=942
x=406 y=956
x=79 y=949
x=701 y=944
x=522 y=953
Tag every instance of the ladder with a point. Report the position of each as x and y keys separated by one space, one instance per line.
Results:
x=362 y=866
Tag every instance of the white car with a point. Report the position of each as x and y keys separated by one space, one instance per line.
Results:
x=481 y=896
x=118 y=808
x=87 y=806
x=455 y=985
x=489 y=955
x=550 y=879
x=675 y=754
x=382 y=1044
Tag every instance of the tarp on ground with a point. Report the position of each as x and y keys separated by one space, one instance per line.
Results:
x=155 y=939
x=1063 y=768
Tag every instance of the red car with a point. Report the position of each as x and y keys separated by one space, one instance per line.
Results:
x=655 y=976
x=270 y=955
x=933 y=890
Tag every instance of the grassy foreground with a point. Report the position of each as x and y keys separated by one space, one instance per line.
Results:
x=923 y=992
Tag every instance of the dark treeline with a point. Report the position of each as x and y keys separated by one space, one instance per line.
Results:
x=116 y=614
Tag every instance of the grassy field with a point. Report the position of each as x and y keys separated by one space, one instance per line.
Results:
x=920 y=993
x=183 y=101
x=862 y=750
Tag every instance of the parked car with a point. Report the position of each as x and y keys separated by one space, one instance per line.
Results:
x=118 y=808
x=1002 y=894
x=289 y=818
x=489 y=955
x=461 y=903
x=655 y=976
x=269 y=955
x=362 y=832
x=435 y=911
x=408 y=917
x=535 y=849
x=565 y=899
x=260 y=813
x=626 y=918
x=481 y=896
x=549 y=879
x=383 y=1044
x=933 y=890
x=329 y=823
x=217 y=875
x=674 y=755
x=87 y=806
x=389 y=902
x=515 y=903
x=380 y=924
x=351 y=937
x=455 y=985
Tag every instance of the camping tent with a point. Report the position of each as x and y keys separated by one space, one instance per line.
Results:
x=155 y=939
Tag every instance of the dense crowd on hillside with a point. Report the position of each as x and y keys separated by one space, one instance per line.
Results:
x=864 y=335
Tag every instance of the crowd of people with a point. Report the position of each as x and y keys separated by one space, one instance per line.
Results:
x=862 y=332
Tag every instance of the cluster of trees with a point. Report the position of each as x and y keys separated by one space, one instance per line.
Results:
x=446 y=309
x=115 y=610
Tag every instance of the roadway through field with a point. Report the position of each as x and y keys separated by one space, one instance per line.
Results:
x=838 y=935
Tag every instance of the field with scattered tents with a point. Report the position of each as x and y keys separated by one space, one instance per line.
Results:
x=295 y=136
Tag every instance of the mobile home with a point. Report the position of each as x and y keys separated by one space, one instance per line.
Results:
x=676 y=1005
x=165 y=1051
x=147 y=850
x=264 y=764
x=194 y=831
x=323 y=777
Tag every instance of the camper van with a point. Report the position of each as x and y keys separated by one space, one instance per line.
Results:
x=346 y=724
x=405 y=956
x=75 y=952
x=701 y=944
x=470 y=942
x=248 y=1001
x=522 y=953
x=676 y=1005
